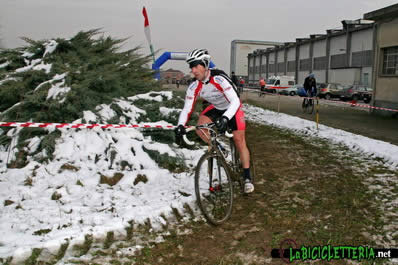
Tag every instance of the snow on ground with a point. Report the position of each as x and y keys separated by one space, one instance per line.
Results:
x=65 y=199
x=356 y=142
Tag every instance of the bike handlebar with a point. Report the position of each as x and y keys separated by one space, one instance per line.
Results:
x=208 y=126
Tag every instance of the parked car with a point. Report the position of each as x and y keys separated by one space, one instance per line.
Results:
x=301 y=91
x=357 y=92
x=329 y=91
x=367 y=96
x=292 y=91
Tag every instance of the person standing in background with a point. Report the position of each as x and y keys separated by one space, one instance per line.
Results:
x=262 y=86
x=241 y=84
x=234 y=79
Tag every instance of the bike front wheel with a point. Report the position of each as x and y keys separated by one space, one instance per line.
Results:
x=304 y=105
x=213 y=188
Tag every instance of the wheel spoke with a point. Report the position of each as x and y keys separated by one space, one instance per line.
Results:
x=213 y=189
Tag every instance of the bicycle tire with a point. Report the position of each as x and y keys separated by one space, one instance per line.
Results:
x=206 y=197
x=304 y=105
x=237 y=165
x=310 y=108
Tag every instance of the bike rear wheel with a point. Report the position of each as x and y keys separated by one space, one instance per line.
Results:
x=213 y=188
x=237 y=166
x=310 y=107
x=304 y=105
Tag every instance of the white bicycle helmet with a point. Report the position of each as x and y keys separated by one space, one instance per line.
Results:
x=198 y=56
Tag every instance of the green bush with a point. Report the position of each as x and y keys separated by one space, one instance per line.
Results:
x=173 y=164
x=96 y=71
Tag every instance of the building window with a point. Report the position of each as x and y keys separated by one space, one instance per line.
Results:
x=305 y=64
x=264 y=68
x=281 y=67
x=390 y=61
x=361 y=59
x=365 y=81
x=320 y=63
x=291 y=66
x=338 y=61
x=271 y=68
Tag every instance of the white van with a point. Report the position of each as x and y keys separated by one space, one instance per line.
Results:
x=279 y=82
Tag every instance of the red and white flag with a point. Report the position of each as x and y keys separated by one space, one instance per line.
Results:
x=148 y=31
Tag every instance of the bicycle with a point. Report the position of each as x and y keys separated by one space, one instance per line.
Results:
x=217 y=175
x=308 y=104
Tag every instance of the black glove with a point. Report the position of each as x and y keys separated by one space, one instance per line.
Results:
x=179 y=131
x=222 y=124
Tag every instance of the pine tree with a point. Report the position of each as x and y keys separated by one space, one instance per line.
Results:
x=95 y=69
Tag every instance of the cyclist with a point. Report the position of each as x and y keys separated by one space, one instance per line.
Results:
x=310 y=85
x=225 y=110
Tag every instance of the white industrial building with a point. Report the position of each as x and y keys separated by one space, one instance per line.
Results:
x=342 y=56
x=240 y=49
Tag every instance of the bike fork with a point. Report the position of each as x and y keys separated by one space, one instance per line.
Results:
x=210 y=171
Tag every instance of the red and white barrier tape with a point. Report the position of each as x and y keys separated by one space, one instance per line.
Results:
x=338 y=102
x=361 y=105
x=82 y=126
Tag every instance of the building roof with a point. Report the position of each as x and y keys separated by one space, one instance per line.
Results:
x=258 y=42
x=348 y=25
x=386 y=12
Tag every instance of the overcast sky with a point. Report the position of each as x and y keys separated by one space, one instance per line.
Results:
x=179 y=25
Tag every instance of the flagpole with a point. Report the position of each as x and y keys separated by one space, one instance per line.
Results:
x=152 y=52
x=148 y=32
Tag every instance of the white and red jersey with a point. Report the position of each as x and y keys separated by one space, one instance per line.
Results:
x=218 y=90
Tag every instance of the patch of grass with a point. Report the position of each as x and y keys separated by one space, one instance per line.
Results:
x=8 y=202
x=171 y=163
x=41 y=232
x=124 y=164
x=32 y=260
x=177 y=213
x=56 y=196
x=28 y=181
x=111 y=181
x=109 y=240
x=61 y=252
x=20 y=160
x=130 y=230
x=68 y=167
x=85 y=247
x=6 y=261
x=47 y=144
x=140 y=178
x=78 y=182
